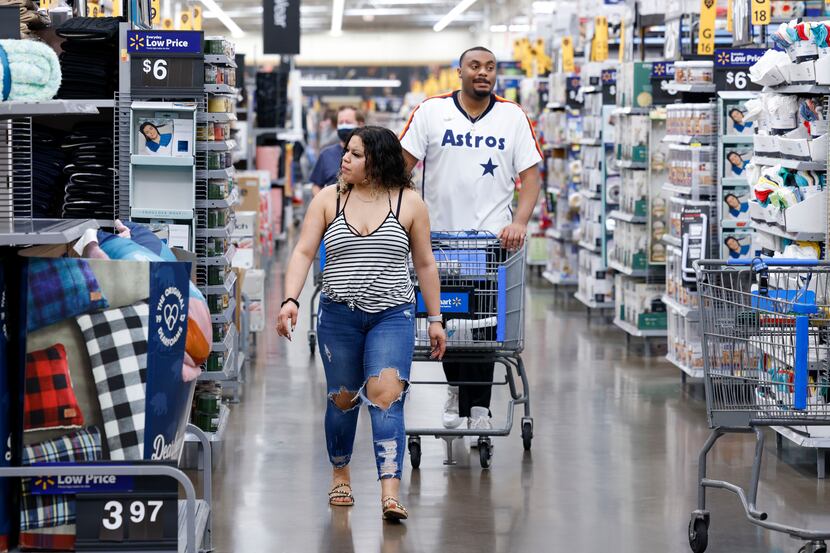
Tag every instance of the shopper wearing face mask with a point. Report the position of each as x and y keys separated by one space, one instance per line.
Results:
x=474 y=144
x=328 y=164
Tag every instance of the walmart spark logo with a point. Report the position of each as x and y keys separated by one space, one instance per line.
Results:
x=723 y=58
x=659 y=69
x=136 y=42
x=44 y=483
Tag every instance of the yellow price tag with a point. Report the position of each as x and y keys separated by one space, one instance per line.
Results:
x=760 y=12
x=197 y=17
x=706 y=34
x=155 y=12
x=600 y=49
x=729 y=16
x=116 y=8
x=45 y=4
x=568 y=55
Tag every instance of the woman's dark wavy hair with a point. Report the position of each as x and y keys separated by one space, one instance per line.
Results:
x=385 y=164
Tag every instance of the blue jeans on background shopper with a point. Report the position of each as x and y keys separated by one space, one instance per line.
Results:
x=356 y=346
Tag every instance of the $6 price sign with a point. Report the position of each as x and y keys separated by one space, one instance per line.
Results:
x=157 y=67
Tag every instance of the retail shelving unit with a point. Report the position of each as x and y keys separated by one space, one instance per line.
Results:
x=801 y=223
x=688 y=197
x=559 y=126
x=599 y=189
x=216 y=198
x=638 y=286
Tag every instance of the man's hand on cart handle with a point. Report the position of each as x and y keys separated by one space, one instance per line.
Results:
x=513 y=236
x=287 y=320
x=438 y=340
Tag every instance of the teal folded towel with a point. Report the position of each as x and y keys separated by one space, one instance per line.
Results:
x=29 y=71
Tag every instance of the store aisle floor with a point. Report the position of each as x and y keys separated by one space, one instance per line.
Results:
x=612 y=467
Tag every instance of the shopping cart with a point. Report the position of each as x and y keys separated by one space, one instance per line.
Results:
x=482 y=300
x=766 y=347
x=317 y=275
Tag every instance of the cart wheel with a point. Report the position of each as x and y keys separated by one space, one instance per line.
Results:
x=698 y=534
x=485 y=453
x=312 y=344
x=811 y=548
x=415 y=452
x=527 y=435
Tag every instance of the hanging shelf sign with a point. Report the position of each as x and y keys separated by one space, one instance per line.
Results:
x=168 y=63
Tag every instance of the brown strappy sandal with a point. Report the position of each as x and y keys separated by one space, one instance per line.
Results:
x=341 y=495
x=393 y=510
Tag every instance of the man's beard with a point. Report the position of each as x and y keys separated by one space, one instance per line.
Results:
x=481 y=93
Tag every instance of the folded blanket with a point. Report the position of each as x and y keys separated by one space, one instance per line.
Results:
x=29 y=71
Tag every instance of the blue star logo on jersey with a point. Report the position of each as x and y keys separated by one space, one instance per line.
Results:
x=489 y=167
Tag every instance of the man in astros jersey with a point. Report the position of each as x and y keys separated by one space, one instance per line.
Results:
x=474 y=145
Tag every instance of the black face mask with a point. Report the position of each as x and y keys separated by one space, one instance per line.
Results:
x=343 y=132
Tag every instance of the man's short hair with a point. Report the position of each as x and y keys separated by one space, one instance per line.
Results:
x=474 y=49
x=358 y=115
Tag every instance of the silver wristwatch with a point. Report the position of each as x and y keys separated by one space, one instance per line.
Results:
x=435 y=319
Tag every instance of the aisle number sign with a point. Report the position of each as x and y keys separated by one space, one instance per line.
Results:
x=568 y=55
x=706 y=34
x=185 y=21
x=760 y=12
x=197 y=18
x=622 y=41
x=155 y=12
x=600 y=49
x=730 y=16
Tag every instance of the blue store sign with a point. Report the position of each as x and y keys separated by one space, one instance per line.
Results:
x=168 y=397
x=737 y=57
x=164 y=42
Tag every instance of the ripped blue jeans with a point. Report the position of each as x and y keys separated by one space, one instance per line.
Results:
x=356 y=346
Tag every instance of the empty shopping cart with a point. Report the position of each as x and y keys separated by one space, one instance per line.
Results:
x=482 y=300
x=317 y=275
x=766 y=347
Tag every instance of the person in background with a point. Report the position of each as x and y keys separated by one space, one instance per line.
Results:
x=328 y=162
x=328 y=129
x=370 y=223
x=474 y=144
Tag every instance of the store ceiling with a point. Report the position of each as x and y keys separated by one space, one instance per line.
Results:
x=372 y=15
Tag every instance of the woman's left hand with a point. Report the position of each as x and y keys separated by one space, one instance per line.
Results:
x=438 y=341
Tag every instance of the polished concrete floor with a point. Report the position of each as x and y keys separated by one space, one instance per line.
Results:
x=612 y=468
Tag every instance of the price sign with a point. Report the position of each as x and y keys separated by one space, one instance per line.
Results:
x=662 y=72
x=145 y=517
x=166 y=62
x=155 y=12
x=706 y=33
x=732 y=69
x=761 y=12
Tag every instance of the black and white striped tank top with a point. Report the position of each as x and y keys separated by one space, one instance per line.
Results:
x=369 y=272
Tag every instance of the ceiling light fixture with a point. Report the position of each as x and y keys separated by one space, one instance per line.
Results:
x=453 y=14
x=540 y=7
x=337 y=7
x=350 y=83
x=213 y=7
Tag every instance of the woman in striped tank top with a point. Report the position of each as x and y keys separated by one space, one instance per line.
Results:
x=370 y=223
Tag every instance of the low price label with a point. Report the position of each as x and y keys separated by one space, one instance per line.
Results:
x=732 y=69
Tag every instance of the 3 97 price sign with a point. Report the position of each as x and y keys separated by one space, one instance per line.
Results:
x=732 y=69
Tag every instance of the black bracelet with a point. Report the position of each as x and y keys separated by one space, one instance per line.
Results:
x=292 y=300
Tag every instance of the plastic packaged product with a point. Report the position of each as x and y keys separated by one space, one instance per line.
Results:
x=694 y=72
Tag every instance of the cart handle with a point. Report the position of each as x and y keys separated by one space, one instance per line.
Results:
x=778 y=262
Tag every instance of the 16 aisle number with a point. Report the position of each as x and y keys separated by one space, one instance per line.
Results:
x=115 y=510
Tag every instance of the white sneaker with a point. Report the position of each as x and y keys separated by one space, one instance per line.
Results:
x=451 y=418
x=480 y=419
